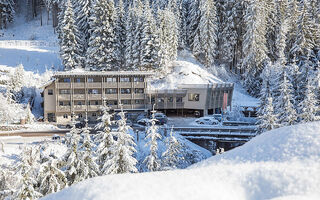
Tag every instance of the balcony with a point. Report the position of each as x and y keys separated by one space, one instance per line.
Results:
x=78 y=85
x=127 y=106
x=64 y=85
x=140 y=106
x=125 y=96
x=111 y=96
x=94 y=85
x=63 y=109
x=139 y=96
x=138 y=85
x=125 y=84
x=95 y=96
x=79 y=108
x=64 y=97
x=94 y=107
x=110 y=84
x=79 y=96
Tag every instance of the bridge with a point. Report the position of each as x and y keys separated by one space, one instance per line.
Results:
x=211 y=138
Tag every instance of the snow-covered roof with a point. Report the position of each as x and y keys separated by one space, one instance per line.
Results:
x=103 y=73
x=48 y=83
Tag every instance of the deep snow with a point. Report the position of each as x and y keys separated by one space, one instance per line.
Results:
x=280 y=164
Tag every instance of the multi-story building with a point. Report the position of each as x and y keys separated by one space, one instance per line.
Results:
x=84 y=93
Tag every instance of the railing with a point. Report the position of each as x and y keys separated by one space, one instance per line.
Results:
x=79 y=108
x=64 y=97
x=125 y=85
x=139 y=96
x=110 y=85
x=64 y=85
x=125 y=96
x=94 y=85
x=78 y=85
x=26 y=43
x=95 y=96
x=63 y=108
x=138 y=84
x=79 y=96
x=111 y=96
x=94 y=107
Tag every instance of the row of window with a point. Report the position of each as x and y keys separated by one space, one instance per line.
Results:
x=79 y=115
x=108 y=102
x=108 y=79
x=98 y=91
x=169 y=99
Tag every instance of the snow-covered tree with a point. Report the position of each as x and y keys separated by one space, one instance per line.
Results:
x=29 y=115
x=102 y=54
x=268 y=120
x=83 y=10
x=70 y=41
x=72 y=135
x=173 y=154
x=120 y=32
x=285 y=106
x=122 y=160
x=52 y=179
x=7 y=183
x=309 y=106
x=152 y=161
x=104 y=140
x=6 y=12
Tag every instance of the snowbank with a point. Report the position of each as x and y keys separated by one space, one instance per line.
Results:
x=280 y=164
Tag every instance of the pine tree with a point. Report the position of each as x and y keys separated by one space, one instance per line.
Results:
x=29 y=115
x=83 y=10
x=137 y=36
x=70 y=42
x=285 y=108
x=309 y=106
x=208 y=31
x=122 y=160
x=101 y=54
x=173 y=154
x=105 y=140
x=52 y=179
x=6 y=13
x=153 y=135
x=150 y=45
x=268 y=119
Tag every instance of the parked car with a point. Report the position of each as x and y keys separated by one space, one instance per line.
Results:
x=162 y=118
x=78 y=125
x=207 y=121
x=147 y=122
x=217 y=117
x=56 y=137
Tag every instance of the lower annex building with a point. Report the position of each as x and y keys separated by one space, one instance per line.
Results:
x=84 y=94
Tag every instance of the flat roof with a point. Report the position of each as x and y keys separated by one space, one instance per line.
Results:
x=103 y=73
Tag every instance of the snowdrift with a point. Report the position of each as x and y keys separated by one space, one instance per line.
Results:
x=280 y=164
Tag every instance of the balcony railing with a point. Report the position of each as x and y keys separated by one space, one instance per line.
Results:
x=110 y=84
x=94 y=107
x=79 y=108
x=95 y=96
x=78 y=85
x=126 y=96
x=111 y=96
x=139 y=96
x=125 y=84
x=64 y=85
x=94 y=85
x=63 y=108
x=64 y=97
x=79 y=96
x=138 y=84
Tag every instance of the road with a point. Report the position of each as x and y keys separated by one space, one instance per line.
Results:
x=35 y=134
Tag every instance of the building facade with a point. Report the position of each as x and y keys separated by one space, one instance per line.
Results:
x=84 y=93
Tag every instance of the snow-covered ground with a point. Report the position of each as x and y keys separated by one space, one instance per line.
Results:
x=280 y=164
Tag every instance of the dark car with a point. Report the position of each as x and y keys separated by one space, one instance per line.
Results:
x=78 y=125
x=161 y=118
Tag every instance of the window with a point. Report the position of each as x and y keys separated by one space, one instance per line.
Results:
x=90 y=80
x=139 y=90
x=66 y=80
x=124 y=79
x=111 y=79
x=152 y=100
x=80 y=115
x=64 y=92
x=160 y=100
x=139 y=101
x=78 y=80
x=111 y=91
x=96 y=103
x=138 y=79
x=179 y=99
x=94 y=114
x=194 y=97
x=79 y=92
x=112 y=102
x=126 y=101
x=79 y=103
x=65 y=116
x=60 y=103
x=50 y=91
x=125 y=91
x=94 y=91
x=170 y=99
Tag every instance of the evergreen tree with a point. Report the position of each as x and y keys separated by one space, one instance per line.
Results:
x=268 y=119
x=153 y=135
x=121 y=34
x=52 y=179
x=70 y=45
x=285 y=108
x=208 y=31
x=6 y=13
x=130 y=39
x=309 y=106
x=172 y=156
x=101 y=54
x=83 y=10
x=122 y=160
x=105 y=140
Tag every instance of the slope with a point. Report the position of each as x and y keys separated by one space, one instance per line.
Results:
x=280 y=164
